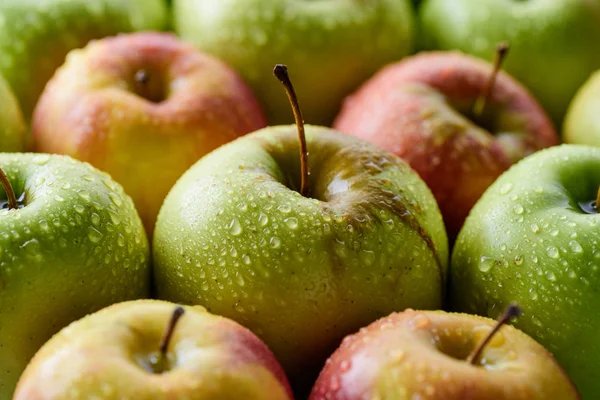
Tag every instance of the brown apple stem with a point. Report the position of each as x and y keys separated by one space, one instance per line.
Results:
x=598 y=200
x=281 y=73
x=484 y=97
x=10 y=193
x=164 y=342
x=142 y=77
x=512 y=311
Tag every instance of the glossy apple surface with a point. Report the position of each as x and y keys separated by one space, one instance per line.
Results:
x=113 y=354
x=582 y=122
x=333 y=46
x=534 y=238
x=36 y=35
x=423 y=355
x=13 y=131
x=147 y=133
x=75 y=245
x=552 y=42
x=421 y=109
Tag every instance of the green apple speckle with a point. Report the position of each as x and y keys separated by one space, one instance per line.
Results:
x=332 y=46
x=301 y=272
x=532 y=239
x=75 y=246
x=36 y=35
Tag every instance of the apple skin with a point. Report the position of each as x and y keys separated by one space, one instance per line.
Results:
x=92 y=110
x=582 y=123
x=527 y=240
x=332 y=46
x=77 y=245
x=109 y=355
x=562 y=34
x=421 y=355
x=420 y=109
x=36 y=35
x=13 y=131
x=300 y=272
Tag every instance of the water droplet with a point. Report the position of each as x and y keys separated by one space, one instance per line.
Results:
x=235 y=228
x=41 y=159
x=554 y=232
x=116 y=199
x=575 y=246
x=507 y=187
x=533 y=294
x=95 y=235
x=518 y=260
x=485 y=264
x=263 y=219
x=552 y=251
x=535 y=228
x=291 y=222
x=518 y=209
x=550 y=276
x=284 y=208
x=275 y=242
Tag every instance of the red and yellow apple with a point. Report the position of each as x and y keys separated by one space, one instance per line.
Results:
x=421 y=109
x=143 y=107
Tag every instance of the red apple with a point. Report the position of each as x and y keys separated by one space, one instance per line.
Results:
x=436 y=355
x=421 y=109
x=143 y=107
x=148 y=349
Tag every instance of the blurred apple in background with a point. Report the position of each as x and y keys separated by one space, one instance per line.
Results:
x=436 y=355
x=553 y=43
x=424 y=109
x=582 y=122
x=13 y=130
x=332 y=46
x=534 y=237
x=72 y=244
x=301 y=268
x=36 y=35
x=154 y=350
x=143 y=107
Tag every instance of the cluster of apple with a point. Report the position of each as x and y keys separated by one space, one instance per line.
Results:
x=138 y=164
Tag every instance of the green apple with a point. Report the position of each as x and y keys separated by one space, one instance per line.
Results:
x=154 y=350
x=436 y=355
x=553 y=43
x=235 y=236
x=533 y=238
x=36 y=35
x=582 y=122
x=73 y=244
x=13 y=131
x=144 y=134
x=332 y=45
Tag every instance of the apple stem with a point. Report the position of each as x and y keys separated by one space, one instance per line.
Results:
x=10 y=193
x=281 y=73
x=512 y=311
x=482 y=100
x=598 y=200
x=142 y=77
x=164 y=342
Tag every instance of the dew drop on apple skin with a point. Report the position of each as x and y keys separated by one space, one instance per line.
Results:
x=485 y=264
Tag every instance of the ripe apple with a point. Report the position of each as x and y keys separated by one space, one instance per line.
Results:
x=153 y=350
x=36 y=35
x=333 y=45
x=71 y=243
x=534 y=238
x=553 y=43
x=423 y=109
x=582 y=122
x=13 y=131
x=436 y=355
x=143 y=107
x=301 y=271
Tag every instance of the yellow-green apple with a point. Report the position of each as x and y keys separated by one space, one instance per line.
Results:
x=553 y=42
x=533 y=237
x=71 y=243
x=154 y=350
x=36 y=35
x=13 y=131
x=143 y=107
x=333 y=45
x=424 y=110
x=582 y=122
x=436 y=355
x=236 y=236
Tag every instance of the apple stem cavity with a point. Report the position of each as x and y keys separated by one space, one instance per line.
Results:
x=142 y=77
x=10 y=193
x=281 y=72
x=483 y=99
x=166 y=339
x=511 y=312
